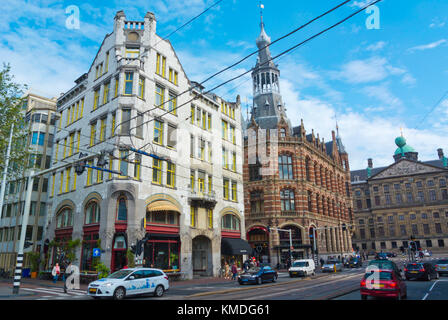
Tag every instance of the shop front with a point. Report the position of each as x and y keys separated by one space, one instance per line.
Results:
x=233 y=248
x=258 y=238
x=162 y=249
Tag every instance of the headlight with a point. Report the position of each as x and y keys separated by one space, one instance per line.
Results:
x=108 y=284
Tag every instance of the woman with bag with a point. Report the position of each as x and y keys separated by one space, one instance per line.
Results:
x=55 y=272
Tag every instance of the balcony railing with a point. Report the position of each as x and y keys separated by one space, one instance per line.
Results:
x=202 y=196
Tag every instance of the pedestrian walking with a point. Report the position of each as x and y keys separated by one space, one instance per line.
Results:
x=55 y=272
x=227 y=271
x=234 y=271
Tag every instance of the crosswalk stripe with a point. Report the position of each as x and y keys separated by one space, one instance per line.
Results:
x=60 y=290
x=46 y=291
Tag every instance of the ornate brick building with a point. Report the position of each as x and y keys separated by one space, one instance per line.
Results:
x=408 y=199
x=292 y=180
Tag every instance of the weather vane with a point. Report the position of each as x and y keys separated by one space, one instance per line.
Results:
x=261 y=11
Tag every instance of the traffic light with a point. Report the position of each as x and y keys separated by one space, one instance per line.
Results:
x=80 y=165
x=133 y=248
x=413 y=245
x=344 y=227
x=139 y=247
x=27 y=244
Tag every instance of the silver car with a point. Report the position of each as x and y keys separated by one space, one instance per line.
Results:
x=330 y=265
x=442 y=266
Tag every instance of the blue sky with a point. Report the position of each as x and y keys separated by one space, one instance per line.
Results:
x=373 y=81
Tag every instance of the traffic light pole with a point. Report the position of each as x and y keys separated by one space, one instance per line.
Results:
x=19 y=264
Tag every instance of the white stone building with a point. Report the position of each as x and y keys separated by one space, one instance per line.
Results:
x=191 y=201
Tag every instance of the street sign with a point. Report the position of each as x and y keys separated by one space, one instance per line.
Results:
x=96 y=252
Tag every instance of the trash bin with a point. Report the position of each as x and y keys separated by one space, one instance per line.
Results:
x=26 y=273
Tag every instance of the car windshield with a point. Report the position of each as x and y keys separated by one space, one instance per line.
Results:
x=382 y=275
x=414 y=266
x=382 y=264
x=253 y=270
x=444 y=261
x=120 y=274
x=299 y=264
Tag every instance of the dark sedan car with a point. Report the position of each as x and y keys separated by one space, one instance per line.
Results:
x=355 y=263
x=424 y=271
x=258 y=275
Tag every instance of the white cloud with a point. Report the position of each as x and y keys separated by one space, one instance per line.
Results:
x=428 y=46
x=362 y=71
x=383 y=94
x=376 y=46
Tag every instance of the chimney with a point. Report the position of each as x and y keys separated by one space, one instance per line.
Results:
x=370 y=163
x=440 y=153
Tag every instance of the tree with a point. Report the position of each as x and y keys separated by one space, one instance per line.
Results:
x=12 y=111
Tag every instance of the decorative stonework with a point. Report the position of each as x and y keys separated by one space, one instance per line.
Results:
x=403 y=168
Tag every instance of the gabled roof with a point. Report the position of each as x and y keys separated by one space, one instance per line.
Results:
x=425 y=166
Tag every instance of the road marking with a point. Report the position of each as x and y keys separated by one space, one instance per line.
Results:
x=304 y=288
x=60 y=290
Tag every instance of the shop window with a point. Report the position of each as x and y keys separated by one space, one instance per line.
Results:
x=163 y=217
x=64 y=218
x=230 y=222
x=92 y=213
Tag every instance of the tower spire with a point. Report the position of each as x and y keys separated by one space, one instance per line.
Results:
x=261 y=14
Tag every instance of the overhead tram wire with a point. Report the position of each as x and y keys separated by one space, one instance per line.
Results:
x=432 y=109
x=241 y=60
x=271 y=59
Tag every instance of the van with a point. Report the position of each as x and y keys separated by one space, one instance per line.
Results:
x=304 y=267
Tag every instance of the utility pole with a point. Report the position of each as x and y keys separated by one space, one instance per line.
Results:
x=19 y=265
x=5 y=171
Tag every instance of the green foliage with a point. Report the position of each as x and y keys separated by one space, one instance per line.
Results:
x=102 y=270
x=34 y=258
x=12 y=112
x=70 y=249
x=131 y=258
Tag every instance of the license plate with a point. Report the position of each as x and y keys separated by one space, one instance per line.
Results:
x=378 y=286
x=414 y=271
x=294 y=272
x=92 y=290
x=443 y=268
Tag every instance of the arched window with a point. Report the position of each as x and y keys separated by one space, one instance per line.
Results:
x=64 y=218
x=285 y=167
x=122 y=212
x=92 y=213
x=230 y=222
x=287 y=200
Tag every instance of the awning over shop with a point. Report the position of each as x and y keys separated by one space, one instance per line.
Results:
x=162 y=205
x=231 y=246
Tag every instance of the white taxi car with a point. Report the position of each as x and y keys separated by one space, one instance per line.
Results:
x=128 y=282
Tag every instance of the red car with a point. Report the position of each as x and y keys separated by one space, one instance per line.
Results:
x=383 y=284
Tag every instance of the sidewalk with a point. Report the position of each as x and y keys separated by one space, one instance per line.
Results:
x=6 y=292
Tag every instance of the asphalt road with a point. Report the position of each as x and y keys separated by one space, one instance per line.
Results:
x=417 y=290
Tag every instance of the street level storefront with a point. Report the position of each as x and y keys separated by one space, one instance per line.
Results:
x=233 y=248
x=162 y=249
x=258 y=238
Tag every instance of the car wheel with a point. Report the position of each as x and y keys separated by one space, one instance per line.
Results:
x=259 y=281
x=159 y=291
x=364 y=297
x=119 y=293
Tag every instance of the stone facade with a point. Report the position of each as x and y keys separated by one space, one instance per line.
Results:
x=129 y=101
x=405 y=201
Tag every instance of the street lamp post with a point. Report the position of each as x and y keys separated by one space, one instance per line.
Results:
x=19 y=264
